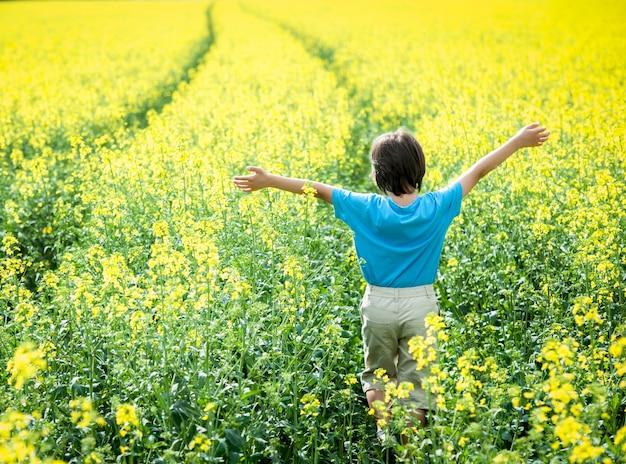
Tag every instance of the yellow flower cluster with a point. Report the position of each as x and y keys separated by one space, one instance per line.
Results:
x=620 y=440
x=394 y=396
x=424 y=349
x=200 y=442
x=208 y=410
x=557 y=407
x=83 y=413
x=27 y=361
x=557 y=355
x=400 y=391
x=310 y=405
x=19 y=440
x=129 y=427
x=12 y=267
x=618 y=351
x=585 y=311
x=126 y=418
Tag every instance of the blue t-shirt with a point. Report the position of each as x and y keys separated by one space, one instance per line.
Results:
x=399 y=246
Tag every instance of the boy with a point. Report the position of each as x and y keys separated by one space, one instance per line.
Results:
x=398 y=238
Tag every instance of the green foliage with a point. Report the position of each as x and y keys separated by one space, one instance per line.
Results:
x=153 y=314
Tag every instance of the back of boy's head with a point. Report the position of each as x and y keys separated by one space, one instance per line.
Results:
x=398 y=163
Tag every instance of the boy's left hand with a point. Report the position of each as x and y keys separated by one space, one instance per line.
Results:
x=533 y=135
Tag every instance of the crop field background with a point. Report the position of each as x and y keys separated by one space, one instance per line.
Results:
x=151 y=313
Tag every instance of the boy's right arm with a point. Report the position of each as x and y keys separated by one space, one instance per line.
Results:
x=532 y=135
x=262 y=179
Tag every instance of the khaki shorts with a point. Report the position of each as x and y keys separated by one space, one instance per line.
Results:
x=390 y=318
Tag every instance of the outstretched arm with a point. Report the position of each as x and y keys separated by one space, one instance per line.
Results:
x=262 y=179
x=533 y=135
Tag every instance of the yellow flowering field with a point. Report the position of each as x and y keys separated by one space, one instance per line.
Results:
x=82 y=70
x=151 y=313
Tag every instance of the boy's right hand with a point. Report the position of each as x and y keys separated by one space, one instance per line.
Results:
x=257 y=181
x=533 y=135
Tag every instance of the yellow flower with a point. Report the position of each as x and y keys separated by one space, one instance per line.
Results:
x=381 y=374
x=423 y=350
x=556 y=355
x=10 y=245
x=585 y=452
x=126 y=418
x=570 y=431
x=620 y=438
x=26 y=362
x=19 y=439
x=93 y=458
x=507 y=457
x=126 y=414
x=401 y=391
x=309 y=191
x=310 y=405
x=434 y=322
x=201 y=441
x=617 y=347
x=160 y=229
x=83 y=413
x=209 y=408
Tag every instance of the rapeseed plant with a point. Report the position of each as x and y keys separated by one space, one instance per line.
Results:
x=19 y=441
x=26 y=363
x=164 y=287
x=83 y=413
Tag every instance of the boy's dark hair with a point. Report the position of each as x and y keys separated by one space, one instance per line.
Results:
x=398 y=163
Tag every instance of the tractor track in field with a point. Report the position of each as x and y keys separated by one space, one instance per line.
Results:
x=138 y=119
x=44 y=250
x=360 y=101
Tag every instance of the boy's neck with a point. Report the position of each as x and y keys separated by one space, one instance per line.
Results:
x=405 y=199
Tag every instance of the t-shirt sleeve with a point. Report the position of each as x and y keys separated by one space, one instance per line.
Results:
x=340 y=197
x=337 y=197
x=451 y=198
x=348 y=205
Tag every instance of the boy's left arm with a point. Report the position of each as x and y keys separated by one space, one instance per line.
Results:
x=532 y=135
x=262 y=179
